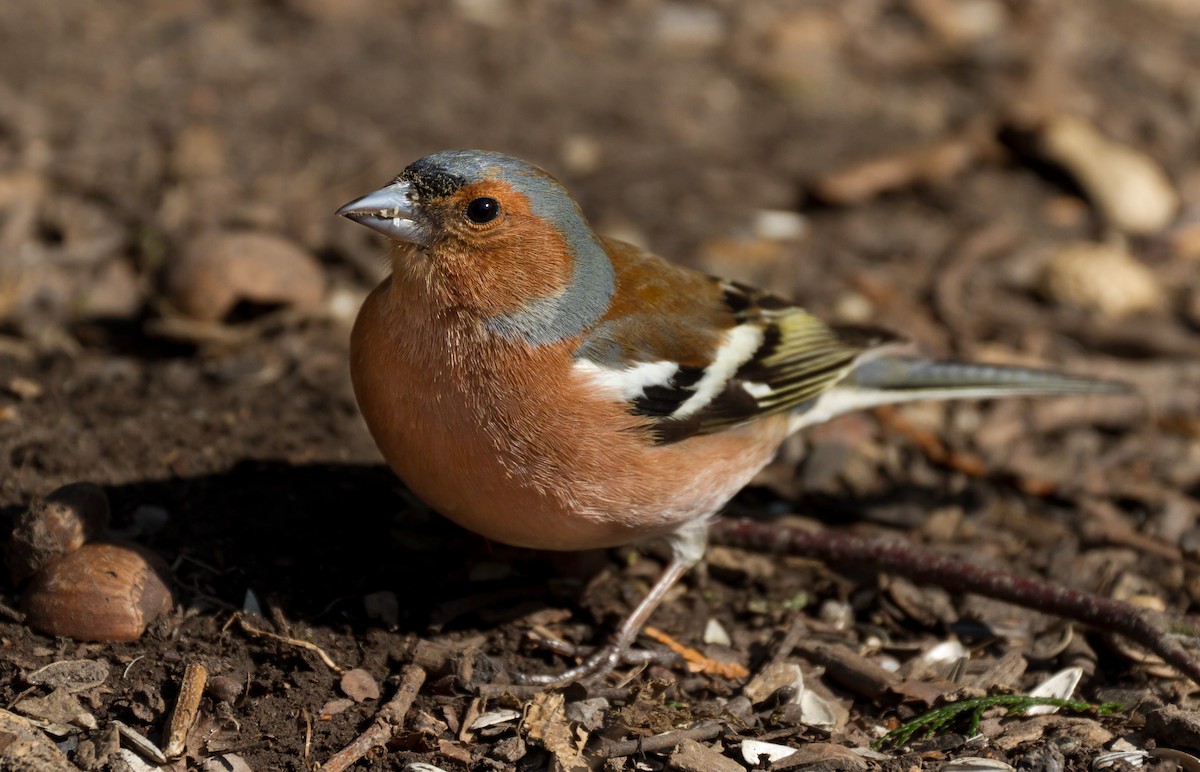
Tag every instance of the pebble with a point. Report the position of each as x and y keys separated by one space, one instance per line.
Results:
x=224 y=689
x=779 y=225
x=1103 y=278
x=113 y=293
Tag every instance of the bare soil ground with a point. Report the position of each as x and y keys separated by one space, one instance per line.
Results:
x=233 y=448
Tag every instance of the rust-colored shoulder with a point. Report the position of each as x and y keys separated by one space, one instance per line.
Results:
x=660 y=312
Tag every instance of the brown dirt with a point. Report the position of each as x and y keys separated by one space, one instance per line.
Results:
x=235 y=451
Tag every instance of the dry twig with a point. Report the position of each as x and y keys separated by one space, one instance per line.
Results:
x=1153 y=630
x=309 y=645
x=388 y=721
x=661 y=742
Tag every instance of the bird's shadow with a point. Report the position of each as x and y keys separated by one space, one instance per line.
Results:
x=313 y=540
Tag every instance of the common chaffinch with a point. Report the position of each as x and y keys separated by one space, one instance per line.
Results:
x=546 y=387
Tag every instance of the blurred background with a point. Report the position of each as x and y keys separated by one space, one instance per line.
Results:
x=127 y=133
x=1000 y=179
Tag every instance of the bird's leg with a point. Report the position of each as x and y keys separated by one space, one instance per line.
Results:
x=687 y=547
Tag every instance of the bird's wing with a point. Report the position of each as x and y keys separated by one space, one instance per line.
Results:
x=695 y=355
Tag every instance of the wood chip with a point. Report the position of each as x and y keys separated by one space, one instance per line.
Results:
x=692 y=756
x=849 y=668
x=187 y=709
x=1171 y=725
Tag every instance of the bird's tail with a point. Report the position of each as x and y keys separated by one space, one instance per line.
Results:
x=889 y=379
x=927 y=379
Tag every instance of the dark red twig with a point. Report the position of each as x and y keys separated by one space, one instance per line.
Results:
x=663 y=742
x=1153 y=630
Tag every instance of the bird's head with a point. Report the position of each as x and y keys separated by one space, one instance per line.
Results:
x=495 y=236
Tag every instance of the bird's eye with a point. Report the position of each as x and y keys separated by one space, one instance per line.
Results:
x=483 y=210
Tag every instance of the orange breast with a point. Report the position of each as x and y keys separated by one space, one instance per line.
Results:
x=512 y=443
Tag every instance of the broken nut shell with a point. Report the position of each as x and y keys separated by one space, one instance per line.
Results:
x=55 y=525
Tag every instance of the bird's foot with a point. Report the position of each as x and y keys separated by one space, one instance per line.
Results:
x=596 y=664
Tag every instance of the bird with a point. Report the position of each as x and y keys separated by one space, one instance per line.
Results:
x=550 y=388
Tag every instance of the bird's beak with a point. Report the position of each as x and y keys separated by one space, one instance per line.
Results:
x=391 y=211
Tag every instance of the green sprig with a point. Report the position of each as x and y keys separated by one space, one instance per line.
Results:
x=972 y=712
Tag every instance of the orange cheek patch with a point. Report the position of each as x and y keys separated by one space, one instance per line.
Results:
x=519 y=259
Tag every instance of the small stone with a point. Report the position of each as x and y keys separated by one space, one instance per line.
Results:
x=334 y=707
x=1185 y=241
x=779 y=225
x=25 y=388
x=1172 y=726
x=359 y=685
x=113 y=293
x=820 y=755
x=1102 y=278
x=963 y=22
x=199 y=152
x=224 y=689
x=854 y=308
